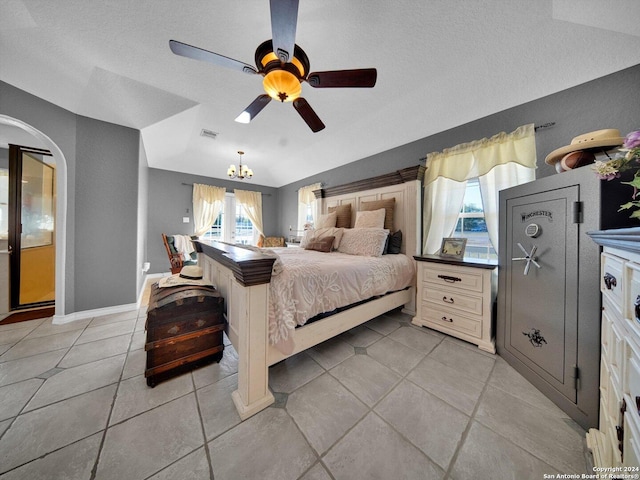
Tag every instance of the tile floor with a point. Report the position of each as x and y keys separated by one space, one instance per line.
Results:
x=384 y=400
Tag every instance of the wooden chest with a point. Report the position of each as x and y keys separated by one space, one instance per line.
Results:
x=184 y=330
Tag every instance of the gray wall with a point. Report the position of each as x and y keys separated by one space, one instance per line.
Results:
x=608 y=102
x=106 y=214
x=102 y=161
x=170 y=200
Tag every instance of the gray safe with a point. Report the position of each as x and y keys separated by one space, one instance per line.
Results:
x=549 y=304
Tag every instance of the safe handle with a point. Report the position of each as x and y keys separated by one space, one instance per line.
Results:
x=450 y=279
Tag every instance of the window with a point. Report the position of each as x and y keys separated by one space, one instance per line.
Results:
x=235 y=228
x=307 y=205
x=472 y=226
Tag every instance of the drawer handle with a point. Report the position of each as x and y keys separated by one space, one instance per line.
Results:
x=447 y=300
x=638 y=404
x=610 y=281
x=636 y=307
x=449 y=279
x=445 y=319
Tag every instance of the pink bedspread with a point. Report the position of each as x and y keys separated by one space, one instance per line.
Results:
x=312 y=282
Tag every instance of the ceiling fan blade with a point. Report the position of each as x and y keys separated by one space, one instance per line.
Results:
x=364 y=77
x=308 y=115
x=197 y=53
x=284 y=18
x=254 y=109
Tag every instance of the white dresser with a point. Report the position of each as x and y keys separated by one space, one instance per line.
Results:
x=456 y=297
x=616 y=443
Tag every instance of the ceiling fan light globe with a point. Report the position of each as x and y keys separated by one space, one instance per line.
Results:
x=244 y=117
x=282 y=85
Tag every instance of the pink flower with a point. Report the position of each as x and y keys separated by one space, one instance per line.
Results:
x=632 y=140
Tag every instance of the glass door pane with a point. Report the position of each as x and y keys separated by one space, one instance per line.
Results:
x=37 y=251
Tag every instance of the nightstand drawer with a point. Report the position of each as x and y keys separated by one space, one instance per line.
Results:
x=451 y=299
x=467 y=279
x=451 y=321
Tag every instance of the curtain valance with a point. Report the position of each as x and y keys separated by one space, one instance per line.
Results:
x=477 y=158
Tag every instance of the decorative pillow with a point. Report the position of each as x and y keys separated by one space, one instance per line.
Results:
x=394 y=243
x=367 y=242
x=327 y=221
x=320 y=233
x=372 y=219
x=320 y=245
x=388 y=204
x=343 y=219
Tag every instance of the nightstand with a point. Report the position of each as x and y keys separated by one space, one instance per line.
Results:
x=456 y=297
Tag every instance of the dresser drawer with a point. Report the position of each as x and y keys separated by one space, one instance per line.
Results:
x=632 y=293
x=611 y=278
x=452 y=299
x=616 y=354
x=466 y=279
x=631 y=437
x=605 y=333
x=451 y=320
x=631 y=373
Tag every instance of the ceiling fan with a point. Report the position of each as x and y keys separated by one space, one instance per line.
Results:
x=284 y=66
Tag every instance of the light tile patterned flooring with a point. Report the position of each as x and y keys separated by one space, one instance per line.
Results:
x=384 y=400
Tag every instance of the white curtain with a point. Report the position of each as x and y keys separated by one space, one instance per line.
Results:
x=251 y=203
x=499 y=162
x=499 y=178
x=208 y=202
x=306 y=197
x=441 y=212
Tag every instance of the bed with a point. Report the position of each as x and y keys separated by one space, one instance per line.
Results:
x=265 y=331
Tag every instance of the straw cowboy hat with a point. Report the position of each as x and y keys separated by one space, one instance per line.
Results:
x=189 y=275
x=600 y=139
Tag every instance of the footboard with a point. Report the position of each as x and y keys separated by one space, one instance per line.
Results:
x=242 y=277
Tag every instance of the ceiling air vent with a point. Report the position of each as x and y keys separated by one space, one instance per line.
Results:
x=208 y=133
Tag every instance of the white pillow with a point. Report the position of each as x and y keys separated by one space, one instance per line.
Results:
x=370 y=219
x=327 y=221
x=319 y=233
x=368 y=242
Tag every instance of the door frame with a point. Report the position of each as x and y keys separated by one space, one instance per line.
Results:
x=61 y=214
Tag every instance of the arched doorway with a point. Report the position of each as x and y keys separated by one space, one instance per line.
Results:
x=61 y=208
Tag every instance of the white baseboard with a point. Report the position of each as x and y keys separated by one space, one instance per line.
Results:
x=62 y=319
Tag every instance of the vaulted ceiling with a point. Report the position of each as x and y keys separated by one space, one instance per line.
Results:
x=440 y=64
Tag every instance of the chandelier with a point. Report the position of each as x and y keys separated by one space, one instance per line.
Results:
x=242 y=172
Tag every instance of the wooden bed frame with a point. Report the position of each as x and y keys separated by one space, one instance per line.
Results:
x=242 y=276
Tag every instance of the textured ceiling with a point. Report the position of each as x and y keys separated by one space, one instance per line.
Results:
x=440 y=64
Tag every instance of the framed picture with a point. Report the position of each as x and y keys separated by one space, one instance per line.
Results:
x=453 y=247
